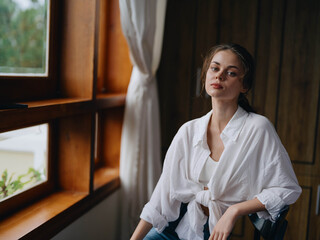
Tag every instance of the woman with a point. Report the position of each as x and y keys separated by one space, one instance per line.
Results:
x=224 y=165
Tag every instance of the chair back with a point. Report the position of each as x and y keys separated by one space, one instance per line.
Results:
x=270 y=230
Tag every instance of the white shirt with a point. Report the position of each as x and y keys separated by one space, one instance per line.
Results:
x=254 y=163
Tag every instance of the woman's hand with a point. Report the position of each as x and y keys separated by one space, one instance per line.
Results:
x=224 y=226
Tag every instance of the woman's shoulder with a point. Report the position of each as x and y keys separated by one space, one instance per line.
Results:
x=259 y=122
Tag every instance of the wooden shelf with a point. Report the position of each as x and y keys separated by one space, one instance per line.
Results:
x=43 y=110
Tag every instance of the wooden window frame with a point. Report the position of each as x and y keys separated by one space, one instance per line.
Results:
x=28 y=88
x=77 y=184
x=28 y=196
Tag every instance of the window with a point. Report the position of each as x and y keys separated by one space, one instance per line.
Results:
x=84 y=37
x=28 y=47
x=24 y=37
x=23 y=159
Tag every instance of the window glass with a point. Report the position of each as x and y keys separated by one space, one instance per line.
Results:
x=23 y=159
x=24 y=31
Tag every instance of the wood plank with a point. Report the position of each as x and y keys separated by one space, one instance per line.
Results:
x=314 y=169
x=268 y=58
x=298 y=216
x=299 y=89
x=77 y=56
x=243 y=229
x=104 y=175
x=43 y=111
x=238 y=24
x=114 y=65
x=206 y=37
x=74 y=153
x=21 y=223
x=110 y=129
x=304 y=222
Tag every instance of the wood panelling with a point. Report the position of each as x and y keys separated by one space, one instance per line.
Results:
x=268 y=57
x=208 y=13
x=239 y=23
x=77 y=56
x=236 y=28
x=299 y=216
x=299 y=88
x=238 y=230
x=176 y=66
x=305 y=207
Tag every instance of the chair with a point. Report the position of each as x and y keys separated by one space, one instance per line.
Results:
x=270 y=230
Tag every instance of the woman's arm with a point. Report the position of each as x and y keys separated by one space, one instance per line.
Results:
x=225 y=224
x=141 y=230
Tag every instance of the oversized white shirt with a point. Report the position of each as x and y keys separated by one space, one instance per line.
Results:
x=253 y=164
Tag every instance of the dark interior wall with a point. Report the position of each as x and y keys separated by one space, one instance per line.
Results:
x=283 y=36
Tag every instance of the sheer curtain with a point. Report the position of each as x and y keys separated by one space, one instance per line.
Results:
x=140 y=164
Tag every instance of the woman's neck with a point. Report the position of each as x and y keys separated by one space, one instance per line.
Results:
x=222 y=112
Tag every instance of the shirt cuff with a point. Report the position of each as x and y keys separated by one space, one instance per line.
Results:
x=151 y=215
x=273 y=204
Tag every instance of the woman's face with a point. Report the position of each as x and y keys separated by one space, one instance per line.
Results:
x=224 y=77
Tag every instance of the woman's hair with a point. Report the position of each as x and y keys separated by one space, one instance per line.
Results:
x=248 y=65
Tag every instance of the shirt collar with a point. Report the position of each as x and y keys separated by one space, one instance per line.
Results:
x=231 y=131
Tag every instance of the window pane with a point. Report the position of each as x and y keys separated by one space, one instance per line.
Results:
x=24 y=35
x=23 y=159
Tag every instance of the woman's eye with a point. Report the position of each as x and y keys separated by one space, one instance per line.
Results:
x=214 y=69
x=231 y=74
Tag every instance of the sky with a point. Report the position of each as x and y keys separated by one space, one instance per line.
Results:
x=24 y=4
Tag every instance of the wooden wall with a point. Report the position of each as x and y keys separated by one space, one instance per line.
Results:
x=284 y=38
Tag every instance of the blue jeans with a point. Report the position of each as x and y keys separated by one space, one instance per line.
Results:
x=169 y=232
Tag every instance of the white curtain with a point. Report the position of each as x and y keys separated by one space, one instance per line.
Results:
x=140 y=164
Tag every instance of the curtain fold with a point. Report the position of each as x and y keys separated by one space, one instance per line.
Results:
x=140 y=164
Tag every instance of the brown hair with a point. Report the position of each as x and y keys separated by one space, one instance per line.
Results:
x=248 y=65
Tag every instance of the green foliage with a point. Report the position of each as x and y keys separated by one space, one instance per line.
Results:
x=10 y=186
x=22 y=37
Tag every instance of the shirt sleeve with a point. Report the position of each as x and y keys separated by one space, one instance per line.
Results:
x=279 y=185
x=163 y=207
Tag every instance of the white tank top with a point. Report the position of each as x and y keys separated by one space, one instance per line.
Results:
x=208 y=170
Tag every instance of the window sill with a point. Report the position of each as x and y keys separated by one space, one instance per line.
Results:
x=44 y=110
x=56 y=108
x=48 y=216
x=103 y=176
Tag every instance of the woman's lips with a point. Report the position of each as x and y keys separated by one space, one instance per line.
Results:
x=216 y=85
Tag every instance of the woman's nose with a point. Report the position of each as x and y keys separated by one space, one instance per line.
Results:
x=219 y=76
